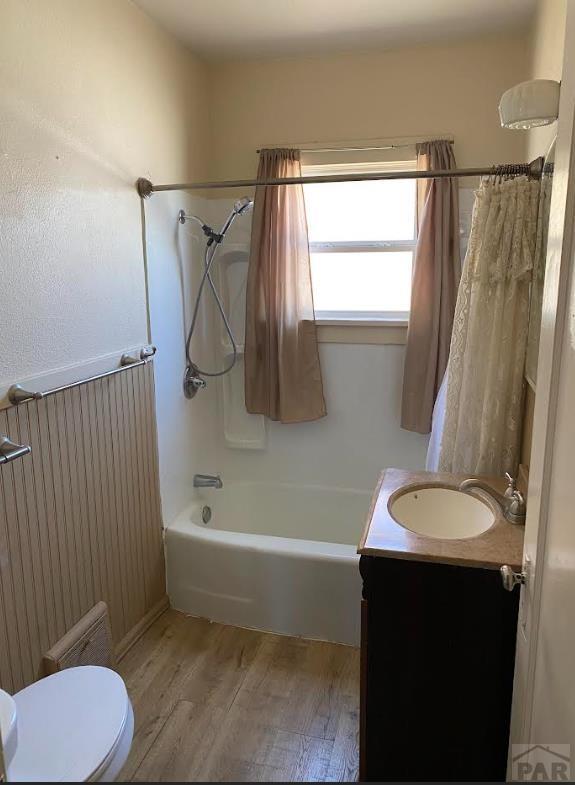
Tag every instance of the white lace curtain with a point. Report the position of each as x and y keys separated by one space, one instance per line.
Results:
x=483 y=410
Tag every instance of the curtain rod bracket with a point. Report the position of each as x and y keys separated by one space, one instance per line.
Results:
x=144 y=187
x=536 y=167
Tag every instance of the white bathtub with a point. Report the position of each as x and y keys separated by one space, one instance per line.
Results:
x=274 y=556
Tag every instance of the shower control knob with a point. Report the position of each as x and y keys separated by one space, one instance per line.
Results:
x=192 y=382
x=510 y=578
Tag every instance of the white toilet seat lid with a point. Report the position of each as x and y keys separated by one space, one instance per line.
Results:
x=68 y=725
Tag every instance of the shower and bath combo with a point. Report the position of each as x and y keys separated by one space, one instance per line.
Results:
x=545 y=112
x=194 y=375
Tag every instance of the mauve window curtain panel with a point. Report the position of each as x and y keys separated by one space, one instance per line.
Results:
x=283 y=378
x=436 y=273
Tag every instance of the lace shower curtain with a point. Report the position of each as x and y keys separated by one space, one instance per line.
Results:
x=482 y=428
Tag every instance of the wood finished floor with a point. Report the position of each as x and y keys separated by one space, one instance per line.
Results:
x=217 y=703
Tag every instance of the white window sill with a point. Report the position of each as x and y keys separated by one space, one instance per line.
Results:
x=359 y=322
x=362 y=331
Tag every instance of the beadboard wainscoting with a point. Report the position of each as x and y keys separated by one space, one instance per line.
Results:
x=80 y=518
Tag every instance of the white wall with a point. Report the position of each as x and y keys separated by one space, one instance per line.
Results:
x=92 y=95
x=546 y=62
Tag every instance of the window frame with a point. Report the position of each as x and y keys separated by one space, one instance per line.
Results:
x=362 y=318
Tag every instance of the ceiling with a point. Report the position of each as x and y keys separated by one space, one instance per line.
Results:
x=224 y=29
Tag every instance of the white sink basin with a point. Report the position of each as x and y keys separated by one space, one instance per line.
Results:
x=442 y=513
x=8 y=728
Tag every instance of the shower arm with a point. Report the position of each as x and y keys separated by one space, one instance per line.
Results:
x=211 y=234
x=534 y=169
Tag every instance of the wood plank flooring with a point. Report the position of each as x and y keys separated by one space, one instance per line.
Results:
x=217 y=703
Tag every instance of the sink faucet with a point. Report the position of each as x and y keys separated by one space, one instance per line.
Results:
x=512 y=502
x=208 y=481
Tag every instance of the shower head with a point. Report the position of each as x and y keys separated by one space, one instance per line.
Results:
x=243 y=205
x=240 y=207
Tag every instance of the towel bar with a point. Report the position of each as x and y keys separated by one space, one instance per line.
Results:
x=17 y=394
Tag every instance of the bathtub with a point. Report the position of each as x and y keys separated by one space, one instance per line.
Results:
x=273 y=556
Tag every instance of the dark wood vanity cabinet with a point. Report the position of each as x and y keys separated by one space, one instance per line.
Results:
x=438 y=647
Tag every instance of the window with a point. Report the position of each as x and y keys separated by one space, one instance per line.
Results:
x=362 y=239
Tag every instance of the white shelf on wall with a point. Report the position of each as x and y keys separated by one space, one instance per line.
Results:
x=232 y=276
x=241 y=429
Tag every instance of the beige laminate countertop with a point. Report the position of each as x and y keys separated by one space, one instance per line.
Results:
x=384 y=536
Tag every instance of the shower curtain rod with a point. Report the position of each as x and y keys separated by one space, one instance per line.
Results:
x=534 y=169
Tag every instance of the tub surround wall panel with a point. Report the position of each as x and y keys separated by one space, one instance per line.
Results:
x=79 y=518
x=186 y=429
x=362 y=383
x=360 y=435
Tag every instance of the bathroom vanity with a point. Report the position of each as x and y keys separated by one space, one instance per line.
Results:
x=438 y=633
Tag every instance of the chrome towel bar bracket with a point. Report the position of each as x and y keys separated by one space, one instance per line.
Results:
x=146 y=352
x=9 y=450
x=17 y=394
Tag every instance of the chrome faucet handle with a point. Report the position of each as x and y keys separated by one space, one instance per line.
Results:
x=511 y=485
x=516 y=509
x=517 y=505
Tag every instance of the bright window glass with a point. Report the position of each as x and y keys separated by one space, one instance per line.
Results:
x=369 y=211
x=362 y=239
x=366 y=283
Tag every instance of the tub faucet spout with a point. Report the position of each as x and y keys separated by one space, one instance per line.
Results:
x=208 y=481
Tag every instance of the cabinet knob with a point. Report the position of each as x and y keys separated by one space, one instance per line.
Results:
x=510 y=578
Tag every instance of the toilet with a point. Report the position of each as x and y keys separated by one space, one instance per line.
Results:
x=74 y=726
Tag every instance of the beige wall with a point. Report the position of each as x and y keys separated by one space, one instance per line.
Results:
x=546 y=61
x=92 y=95
x=452 y=89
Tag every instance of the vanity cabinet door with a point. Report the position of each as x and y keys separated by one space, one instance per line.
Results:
x=437 y=671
